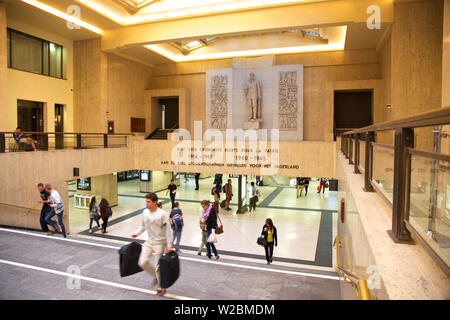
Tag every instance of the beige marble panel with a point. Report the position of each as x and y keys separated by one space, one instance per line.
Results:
x=313 y=159
x=90 y=87
x=417 y=57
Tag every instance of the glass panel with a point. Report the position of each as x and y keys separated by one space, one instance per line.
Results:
x=45 y=64
x=383 y=169
x=362 y=155
x=64 y=63
x=26 y=52
x=429 y=211
x=55 y=60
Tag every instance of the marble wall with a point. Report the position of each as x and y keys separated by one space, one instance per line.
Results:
x=107 y=88
x=321 y=70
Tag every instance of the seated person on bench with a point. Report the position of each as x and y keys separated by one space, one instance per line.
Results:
x=18 y=136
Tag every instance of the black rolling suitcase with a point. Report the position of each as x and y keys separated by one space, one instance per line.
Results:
x=169 y=268
x=129 y=257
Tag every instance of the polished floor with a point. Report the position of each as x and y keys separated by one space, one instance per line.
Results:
x=306 y=225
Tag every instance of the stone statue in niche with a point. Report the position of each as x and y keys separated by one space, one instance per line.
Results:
x=253 y=95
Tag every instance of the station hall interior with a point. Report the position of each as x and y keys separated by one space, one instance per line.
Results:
x=336 y=111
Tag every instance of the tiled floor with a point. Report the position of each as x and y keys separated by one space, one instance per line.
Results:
x=305 y=225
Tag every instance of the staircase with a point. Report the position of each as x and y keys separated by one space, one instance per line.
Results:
x=159 y=134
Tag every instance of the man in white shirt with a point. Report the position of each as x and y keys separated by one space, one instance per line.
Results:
x=55 y=201
x=254 y=193
x=159 y=236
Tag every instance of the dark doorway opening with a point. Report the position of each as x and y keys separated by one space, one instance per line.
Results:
x=352 y=109
x=30 y=117
x=170 y=113
x=59 y=126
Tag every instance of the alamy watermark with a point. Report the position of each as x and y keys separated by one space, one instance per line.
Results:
x=75 y=12
x=231 y=148
x=374 y=20
x=74 y=283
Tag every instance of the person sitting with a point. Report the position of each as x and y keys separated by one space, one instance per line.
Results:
x=20 y=138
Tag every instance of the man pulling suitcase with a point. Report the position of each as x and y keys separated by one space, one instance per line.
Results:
x=156 y=222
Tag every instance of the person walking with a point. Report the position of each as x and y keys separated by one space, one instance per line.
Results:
x=210 y=224
x=197 y=177
x=93 y=214
x=56 y=203
x=105 y=213
x=203 y=217
x=270 y=234
x=172 y=188
x=216 y=193
x=156 y=222
x=323 y=181
x=300 y=185
x=254 y=193
x=229 y=194
x=177 y=223
x=306 y=184
x=46 y=209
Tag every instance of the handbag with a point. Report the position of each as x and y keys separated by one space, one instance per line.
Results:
x=261 y=241
x=212 y=238
x=219 y=229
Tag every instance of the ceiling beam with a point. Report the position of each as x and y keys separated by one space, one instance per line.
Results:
x=325 y=13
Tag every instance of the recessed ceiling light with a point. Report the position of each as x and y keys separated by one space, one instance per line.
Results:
x=63 y=15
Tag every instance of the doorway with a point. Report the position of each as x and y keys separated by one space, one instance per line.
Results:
x=352 y=110
x=59 y=126
x=169 y=113
x=30 y=117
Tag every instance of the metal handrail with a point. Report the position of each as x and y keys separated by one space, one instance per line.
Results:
x=19 y=207
x=403 y=150
x=360 y=284
x=83 y=133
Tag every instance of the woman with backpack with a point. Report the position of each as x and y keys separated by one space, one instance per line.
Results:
x=105 y=213
x=93 y=214
x=270 y=234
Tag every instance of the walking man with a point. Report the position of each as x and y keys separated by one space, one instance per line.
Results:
x=177 y=223
x=197 y=176
x=46 y=209
x=156 y=222
x=172 y=188
x=254 y=193
x=57 y=205
x=229 y=195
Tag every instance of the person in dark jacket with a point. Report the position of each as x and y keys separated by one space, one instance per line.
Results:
x=210 y=223
x=270 y=234
x=105 y=213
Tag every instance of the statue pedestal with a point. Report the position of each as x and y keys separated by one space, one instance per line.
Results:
x=254 y=124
